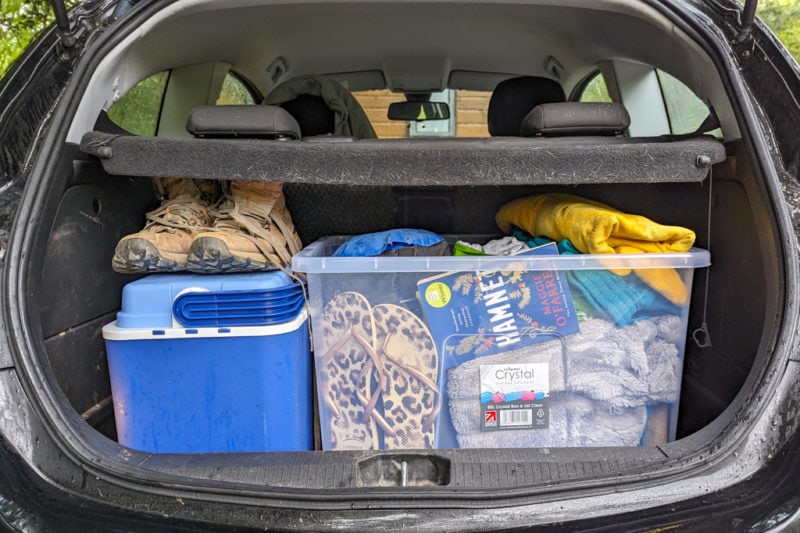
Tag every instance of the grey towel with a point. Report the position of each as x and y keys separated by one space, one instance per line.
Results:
x=611 y=375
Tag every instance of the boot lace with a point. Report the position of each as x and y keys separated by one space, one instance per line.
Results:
x=266 y=225
x=178 y=214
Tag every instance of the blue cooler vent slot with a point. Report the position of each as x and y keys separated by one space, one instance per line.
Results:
x=261 y=307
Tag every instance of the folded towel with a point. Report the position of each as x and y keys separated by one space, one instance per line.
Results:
x=574 y=421
x=596 y=228
x=596 y=375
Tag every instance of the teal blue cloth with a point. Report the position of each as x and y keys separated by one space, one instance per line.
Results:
x=619 y=299
x=373 y=244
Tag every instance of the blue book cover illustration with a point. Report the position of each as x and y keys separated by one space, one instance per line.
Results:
x=473 y=314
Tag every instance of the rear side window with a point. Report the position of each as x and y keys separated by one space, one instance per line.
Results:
x=685 y=110
x=235 y=92
x=138 y=110
x=596 y=90
x=654 y=97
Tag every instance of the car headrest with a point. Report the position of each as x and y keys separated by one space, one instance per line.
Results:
x=312 y=114
x=576 y=118
x=514 y=98
x=242 y=121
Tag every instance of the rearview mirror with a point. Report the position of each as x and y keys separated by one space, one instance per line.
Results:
x=419 y=111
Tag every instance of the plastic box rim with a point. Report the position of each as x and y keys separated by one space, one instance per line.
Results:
x=316 y=259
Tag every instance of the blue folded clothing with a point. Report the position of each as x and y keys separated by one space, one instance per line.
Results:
x=374 y=244
x=618 y=299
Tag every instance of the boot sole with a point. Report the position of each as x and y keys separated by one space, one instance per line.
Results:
x=134 y=256
x=209 y=255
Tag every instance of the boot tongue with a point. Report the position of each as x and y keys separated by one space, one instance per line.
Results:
x=235 y=208
x=266 y=192
x=181 y=188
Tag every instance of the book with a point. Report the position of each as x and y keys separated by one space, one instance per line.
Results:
x=480 y=313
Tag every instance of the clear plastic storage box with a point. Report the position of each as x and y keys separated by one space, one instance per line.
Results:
x=535 y=350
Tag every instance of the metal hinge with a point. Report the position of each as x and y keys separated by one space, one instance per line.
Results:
x=88 y=17
x=746 y=22
x=63 y=25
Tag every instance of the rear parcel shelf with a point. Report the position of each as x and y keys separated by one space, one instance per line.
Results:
x=413 y=162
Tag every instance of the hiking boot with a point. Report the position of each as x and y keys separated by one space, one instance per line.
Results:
x=252 y=231
x=164 y=242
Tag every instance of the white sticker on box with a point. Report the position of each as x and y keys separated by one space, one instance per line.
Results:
x=515 y=396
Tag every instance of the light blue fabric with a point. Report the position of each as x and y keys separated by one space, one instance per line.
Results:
x=373 y=244
x=619 y=299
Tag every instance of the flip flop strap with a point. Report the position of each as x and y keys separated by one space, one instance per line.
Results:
x=429 y=418
x=369 y=403
x=373 y=362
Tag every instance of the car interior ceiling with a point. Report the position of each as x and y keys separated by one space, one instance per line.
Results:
x=96 y=208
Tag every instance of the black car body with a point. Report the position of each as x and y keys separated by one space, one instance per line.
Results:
x=736 y=462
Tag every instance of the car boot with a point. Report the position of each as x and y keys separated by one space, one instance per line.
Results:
x=163 y=244
x=252 y=231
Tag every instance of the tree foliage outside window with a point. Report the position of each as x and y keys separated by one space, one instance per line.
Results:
x=21 y=21
x=783 y=18
x=234 y=92
x=596 y=90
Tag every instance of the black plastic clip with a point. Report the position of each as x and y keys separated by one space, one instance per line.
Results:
x=701 y=336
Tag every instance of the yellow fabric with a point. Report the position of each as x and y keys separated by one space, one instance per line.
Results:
x=595 y=228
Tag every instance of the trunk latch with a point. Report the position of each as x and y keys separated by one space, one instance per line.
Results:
x=404 y=470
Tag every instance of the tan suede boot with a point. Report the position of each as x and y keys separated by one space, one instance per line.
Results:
x=252 y=231
x=163 y=244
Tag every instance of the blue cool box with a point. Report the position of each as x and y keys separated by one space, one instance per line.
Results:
x=212 y=364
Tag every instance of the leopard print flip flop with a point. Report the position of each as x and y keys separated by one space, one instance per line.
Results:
x=411 y=398
x=346 y=377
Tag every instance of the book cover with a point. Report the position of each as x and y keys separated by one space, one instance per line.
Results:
x=472 y=314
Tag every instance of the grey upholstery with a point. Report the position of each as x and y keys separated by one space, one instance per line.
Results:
x=242 y=121
x=413 y=162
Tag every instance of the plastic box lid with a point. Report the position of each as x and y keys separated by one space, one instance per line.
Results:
x=316 y=259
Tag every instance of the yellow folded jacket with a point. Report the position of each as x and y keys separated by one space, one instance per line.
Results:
x=595 y=228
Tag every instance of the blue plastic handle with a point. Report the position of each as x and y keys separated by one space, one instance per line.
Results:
x=261 y=307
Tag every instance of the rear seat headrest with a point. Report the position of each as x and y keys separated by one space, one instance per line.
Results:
x=513 y=98
x=242 y=121
x=576 y=118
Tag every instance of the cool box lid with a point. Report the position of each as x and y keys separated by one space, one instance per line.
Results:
x=195 y=300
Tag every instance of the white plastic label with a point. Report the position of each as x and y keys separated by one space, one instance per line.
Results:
x=515 y=396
